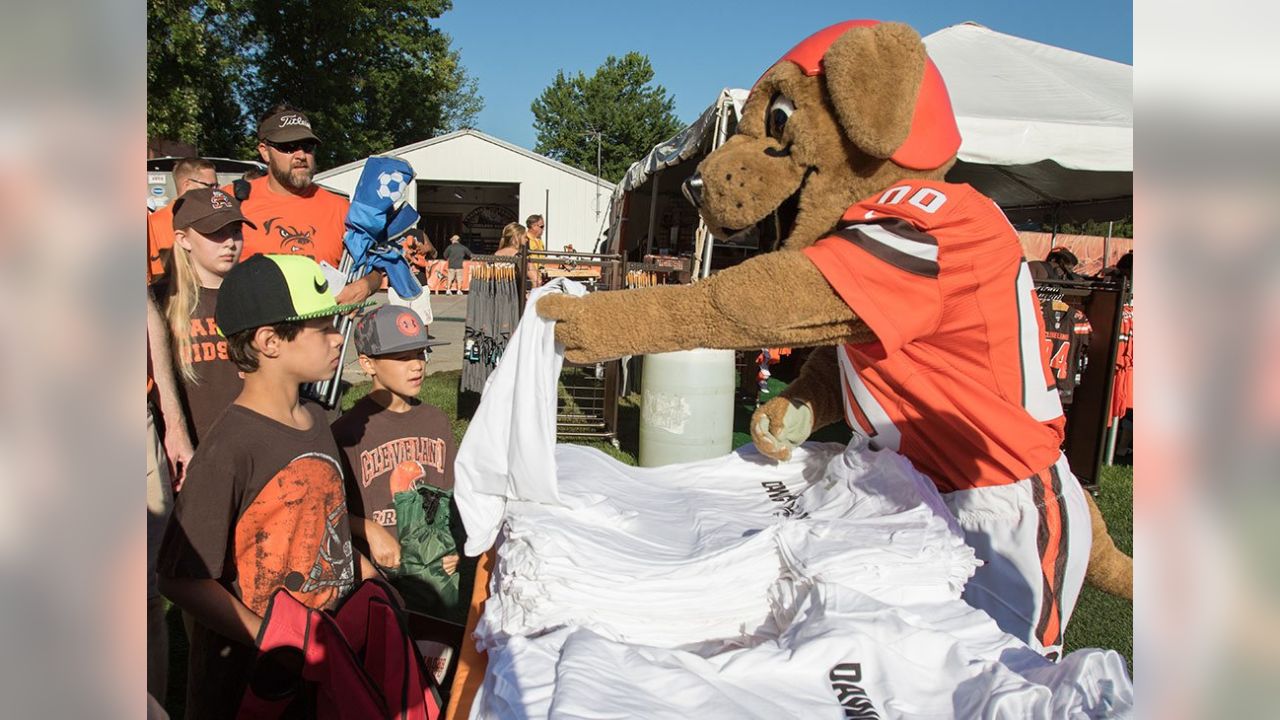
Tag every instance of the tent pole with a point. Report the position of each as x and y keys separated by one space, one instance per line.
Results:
x=1106 y=245
x=1112 y=432
x=722 y=129
x=653 y=211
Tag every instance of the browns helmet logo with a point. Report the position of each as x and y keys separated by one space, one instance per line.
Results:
x=406 y=476
x=295 y=535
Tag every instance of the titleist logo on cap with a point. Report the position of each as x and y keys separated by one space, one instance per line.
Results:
x=287 y=120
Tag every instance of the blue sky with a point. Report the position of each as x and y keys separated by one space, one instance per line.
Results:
x=514 y=49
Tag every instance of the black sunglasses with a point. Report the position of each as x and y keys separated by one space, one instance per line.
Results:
x=289 y=148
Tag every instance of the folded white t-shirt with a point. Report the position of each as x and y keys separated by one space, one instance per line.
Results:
x=508 y=451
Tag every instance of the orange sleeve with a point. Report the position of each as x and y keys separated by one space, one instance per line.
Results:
x=154 y=267
x=897 y=304
x=159 y=237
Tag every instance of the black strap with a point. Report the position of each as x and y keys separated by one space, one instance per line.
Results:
x=240 y=188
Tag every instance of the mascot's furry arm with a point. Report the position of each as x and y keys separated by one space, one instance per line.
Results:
x=773 y=300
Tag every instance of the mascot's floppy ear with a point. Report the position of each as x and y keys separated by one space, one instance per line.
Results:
x=873 y=76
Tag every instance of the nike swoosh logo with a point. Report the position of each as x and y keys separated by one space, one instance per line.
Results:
x=321 y=287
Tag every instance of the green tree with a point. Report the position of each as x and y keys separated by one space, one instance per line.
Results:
x=191 y=74
x=1122 y=228
x=370 y=74
x=619 y=101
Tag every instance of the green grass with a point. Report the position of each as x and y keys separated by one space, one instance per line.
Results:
x=1099 y=621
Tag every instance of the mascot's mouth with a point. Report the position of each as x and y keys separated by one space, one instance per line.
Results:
x=775 y=227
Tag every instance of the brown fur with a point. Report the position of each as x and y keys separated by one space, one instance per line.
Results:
x=736 y=309
x=1110 y=570
x=856 y=66
x=834 y=152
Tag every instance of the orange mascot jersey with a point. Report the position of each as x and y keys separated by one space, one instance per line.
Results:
x=957 y=380
x=311 y=224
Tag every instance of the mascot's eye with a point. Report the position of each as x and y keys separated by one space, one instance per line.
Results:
x=779 y=112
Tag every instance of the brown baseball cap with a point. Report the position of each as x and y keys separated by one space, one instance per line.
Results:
x=207 y=210
x=286 y=126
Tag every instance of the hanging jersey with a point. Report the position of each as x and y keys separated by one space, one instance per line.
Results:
x=1066 y=343
x=957 y=379
x=1122 y=385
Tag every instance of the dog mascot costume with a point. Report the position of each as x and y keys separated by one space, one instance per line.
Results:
x=914 y=292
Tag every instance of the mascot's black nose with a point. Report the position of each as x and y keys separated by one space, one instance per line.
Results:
x=693 y=189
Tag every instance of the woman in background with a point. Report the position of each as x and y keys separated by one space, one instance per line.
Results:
x=514 y=236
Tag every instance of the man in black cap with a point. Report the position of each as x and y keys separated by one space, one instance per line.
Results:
x=1061 y=264
x=294 y=215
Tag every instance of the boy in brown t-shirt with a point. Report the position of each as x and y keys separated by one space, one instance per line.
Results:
x=390 y=440
x=263 y=506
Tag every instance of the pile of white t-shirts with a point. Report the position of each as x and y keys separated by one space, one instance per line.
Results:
x=827 y=586
x=655 y=557
x=846 y=655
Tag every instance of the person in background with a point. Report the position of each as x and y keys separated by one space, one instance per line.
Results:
x=513 y=236
x=419 y=251
x=292 y=215
x=188 y=174
x=536 y=227
x=1061 y=264
x=456 y=254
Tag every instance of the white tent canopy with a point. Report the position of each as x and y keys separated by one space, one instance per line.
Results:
x=1040 y=126
x=694 y=142
x=1045 y=132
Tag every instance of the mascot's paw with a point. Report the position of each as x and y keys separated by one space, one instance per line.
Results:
x=1110 y=570
x=780 y=425
x=575 y=327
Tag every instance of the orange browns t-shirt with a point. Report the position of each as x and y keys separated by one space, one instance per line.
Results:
x=310 y=224
x=957 y=380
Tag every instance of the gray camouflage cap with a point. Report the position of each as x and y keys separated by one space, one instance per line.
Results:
x=392 y=329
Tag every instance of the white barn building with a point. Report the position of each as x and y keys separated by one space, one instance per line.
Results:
x=472 y=184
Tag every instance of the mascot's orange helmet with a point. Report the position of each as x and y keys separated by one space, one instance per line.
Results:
x=934 y=137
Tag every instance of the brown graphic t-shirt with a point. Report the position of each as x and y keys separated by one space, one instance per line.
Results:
x=387 y=452
x=263 y=507
x=310 y=224
x=218 y=380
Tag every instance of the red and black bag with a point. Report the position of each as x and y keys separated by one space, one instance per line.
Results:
x=356 y=662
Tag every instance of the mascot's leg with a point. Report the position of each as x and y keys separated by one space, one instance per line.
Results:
x=1034 y=538
x=1110 y=570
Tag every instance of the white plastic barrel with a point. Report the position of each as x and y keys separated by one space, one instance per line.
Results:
x=686 y=409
